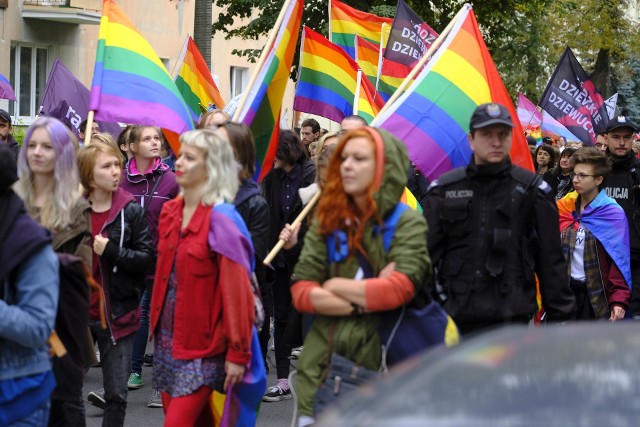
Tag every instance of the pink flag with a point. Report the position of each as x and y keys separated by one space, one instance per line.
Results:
x=528 y=113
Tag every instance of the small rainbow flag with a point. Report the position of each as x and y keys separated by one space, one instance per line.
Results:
x=194 y=81
x=328 y=80
x=261 y=108
x=392 y=74
x=345 y=21
x=432 y=116
x=367 y=57
x=6 y=91
x=130 y=83
x=410 y=200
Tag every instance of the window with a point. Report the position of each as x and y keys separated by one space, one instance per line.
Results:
x=28 y=76
x=239 y=80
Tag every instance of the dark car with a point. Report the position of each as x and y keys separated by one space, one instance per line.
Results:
x=585 y=374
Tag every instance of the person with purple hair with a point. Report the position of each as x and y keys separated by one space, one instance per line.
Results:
x=49 y=186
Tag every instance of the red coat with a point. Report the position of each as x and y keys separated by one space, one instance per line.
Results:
x=214 y=303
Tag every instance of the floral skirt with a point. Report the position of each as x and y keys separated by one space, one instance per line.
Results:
x=181 y=377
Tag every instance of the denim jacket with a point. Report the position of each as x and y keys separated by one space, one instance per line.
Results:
x=28 y=314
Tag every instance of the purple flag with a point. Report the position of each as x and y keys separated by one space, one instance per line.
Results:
x=410 y=36
x=67 y=99
x=572 y=99
x=6 y=91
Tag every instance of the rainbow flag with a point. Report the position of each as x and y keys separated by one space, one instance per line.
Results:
x=554 y=129
x=410 y=200
x=6 y=91
x=195 y=83
x=432 y=116
x=328 y=80
x=392 y=74
x=606 y=220
x=345 y=22
x=367 y=55
x=528 y=113
x=261 y=108
x=130 y=83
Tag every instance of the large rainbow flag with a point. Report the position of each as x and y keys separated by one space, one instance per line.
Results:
x=130 y=83
x=606 y=220
x=328 y=80
x=345 y=22
x=263 y=102
x=195 y=83
x=432 y=116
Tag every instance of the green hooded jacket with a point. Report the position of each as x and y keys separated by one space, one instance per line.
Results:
x=357 y=337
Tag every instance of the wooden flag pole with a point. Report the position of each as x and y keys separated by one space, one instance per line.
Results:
x=263 y=57
x=297 y=221
x=87 y=130
x=436 y=44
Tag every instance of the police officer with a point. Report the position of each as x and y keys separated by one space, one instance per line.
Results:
x=623 y=185
x=492 y=227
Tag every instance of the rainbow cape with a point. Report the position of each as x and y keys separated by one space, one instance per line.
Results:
x=606 y=220
x=432 y=116
x=345 y=22
x=130 y=83
x=328 y=80
x=195 y=83
x=261 y=108
x=229 y=236
x=6 y=91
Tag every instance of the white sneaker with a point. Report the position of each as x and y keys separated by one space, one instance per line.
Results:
x=295 y=353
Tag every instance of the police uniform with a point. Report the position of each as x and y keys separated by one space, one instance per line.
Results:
x=623 y=185
x=492 y=227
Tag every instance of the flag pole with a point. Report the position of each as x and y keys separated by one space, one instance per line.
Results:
x=263 y=57
x=356 y=98
x=87 y=130
x=297 y=221
x=180 y=59
x=329 y=14
x=436 y=44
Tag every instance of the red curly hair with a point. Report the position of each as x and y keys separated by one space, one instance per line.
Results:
x=336 y=207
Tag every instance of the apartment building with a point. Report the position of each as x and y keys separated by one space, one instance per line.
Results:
x=33 y=33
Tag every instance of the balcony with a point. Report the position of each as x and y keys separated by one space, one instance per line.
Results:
x=85 y=12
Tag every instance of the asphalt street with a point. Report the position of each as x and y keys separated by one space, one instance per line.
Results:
x=274 y=414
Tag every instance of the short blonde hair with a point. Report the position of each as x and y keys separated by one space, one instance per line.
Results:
x=87 y=161
x=222 y=166
x=106 y=138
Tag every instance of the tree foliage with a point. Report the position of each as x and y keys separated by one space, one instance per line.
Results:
x=525 y=37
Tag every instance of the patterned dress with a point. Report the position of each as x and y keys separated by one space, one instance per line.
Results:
x=181 y=377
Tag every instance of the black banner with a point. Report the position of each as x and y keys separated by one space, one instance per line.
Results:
x=410 y=36
x=572 y=99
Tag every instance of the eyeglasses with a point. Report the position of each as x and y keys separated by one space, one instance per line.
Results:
x=580 y=176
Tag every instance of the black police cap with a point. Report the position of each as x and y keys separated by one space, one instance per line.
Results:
x=490 y=114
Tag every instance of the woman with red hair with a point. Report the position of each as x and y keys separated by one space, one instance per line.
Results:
x=365 y=179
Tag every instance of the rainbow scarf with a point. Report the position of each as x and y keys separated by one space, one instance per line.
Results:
x=606 y=220
x=230 y=237
x=130 y=83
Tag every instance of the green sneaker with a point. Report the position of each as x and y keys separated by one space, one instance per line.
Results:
x=135 y=381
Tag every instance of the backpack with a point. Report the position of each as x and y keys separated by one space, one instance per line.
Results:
x=415 y=327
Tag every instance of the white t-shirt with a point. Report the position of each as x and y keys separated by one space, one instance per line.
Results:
x=577 y=258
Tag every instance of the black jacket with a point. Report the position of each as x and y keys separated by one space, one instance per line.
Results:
x=491 y=228
x=623 y=185
x=127 y=257
x=272 y=192
x=254 y=210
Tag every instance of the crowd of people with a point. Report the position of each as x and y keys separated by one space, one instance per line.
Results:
x=122 y=241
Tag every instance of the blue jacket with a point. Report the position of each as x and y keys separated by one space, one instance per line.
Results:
x=28 y=314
